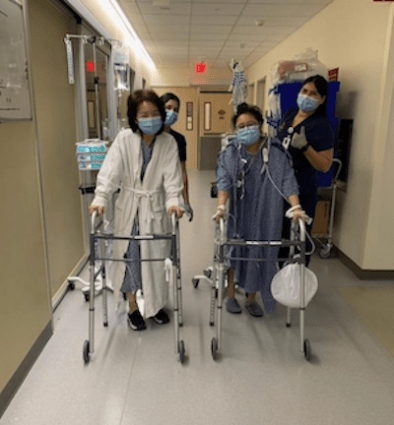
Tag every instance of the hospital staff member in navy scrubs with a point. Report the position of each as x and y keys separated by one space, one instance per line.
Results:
x=306 y=132
x=172 y=105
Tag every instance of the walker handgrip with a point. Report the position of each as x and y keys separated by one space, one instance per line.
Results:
x=93 y=222
x=301 y=223
x=174 y=220
x=222 y=230
x=339 y=167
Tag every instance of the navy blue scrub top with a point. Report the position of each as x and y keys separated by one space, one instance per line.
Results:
x=319 y=135
x=181 y=141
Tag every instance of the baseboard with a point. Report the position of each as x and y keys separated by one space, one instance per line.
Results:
x=363 y=274
x=19 y=376
x=62 y=291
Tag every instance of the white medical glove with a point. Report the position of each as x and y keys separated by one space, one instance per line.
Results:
x=299 y=141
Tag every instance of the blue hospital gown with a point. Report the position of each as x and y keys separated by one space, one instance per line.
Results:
x=256 y=211
x=133 y=281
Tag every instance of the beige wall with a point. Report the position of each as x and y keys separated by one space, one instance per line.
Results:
x=24 y=302
x=57 y=134
x=379 y=241
x=351 y=35
x=186 y=94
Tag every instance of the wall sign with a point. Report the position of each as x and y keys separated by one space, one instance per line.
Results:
x=14 y=79
x=189 y=116
x=333 y=74
x=207 y=116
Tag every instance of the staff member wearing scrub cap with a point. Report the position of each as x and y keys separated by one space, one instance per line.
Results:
x=172 y=105
x=143 y=163
x=306 y=133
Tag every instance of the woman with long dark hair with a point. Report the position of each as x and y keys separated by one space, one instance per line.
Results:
x=306 y=133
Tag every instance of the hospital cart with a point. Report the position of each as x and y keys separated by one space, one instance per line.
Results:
x=172 y=276
x=297 y=240
x=325 y=240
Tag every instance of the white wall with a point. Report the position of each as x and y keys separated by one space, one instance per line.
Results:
x=351 y=35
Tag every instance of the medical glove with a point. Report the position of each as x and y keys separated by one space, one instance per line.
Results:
x=189 y=211
x=299 y=141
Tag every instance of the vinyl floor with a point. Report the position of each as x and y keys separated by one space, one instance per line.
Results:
x=260 y=378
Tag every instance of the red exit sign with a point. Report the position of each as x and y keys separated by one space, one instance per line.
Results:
x=201 y=67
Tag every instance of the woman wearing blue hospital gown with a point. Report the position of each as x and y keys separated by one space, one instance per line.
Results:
x=255 y=174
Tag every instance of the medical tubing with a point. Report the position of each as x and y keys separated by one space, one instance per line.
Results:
x=291 y=209
x=265 y=167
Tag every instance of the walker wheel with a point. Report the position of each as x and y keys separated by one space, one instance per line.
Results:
x=214 y=348
x=105 y=324
x=325 y=252
x=208 y=273
x=86 y=352
x=181 y=351
x=87 y=296
x=307 y=350
x=195 y=282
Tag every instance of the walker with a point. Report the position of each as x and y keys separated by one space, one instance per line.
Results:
x=172 y=266
x=218 y=279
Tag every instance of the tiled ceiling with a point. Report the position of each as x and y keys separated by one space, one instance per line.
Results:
x=182 y=32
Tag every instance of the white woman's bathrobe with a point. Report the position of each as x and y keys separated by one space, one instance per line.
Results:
x=161 y=188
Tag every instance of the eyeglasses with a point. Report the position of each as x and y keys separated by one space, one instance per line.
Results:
x=247 y=125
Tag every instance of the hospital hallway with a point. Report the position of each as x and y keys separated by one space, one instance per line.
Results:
x=135 y=378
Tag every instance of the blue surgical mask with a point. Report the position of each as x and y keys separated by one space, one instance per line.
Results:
x=171 y=117
x=248 y=136
x=150 y=125
x=307 y=103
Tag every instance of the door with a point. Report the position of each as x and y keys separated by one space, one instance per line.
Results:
x=215 y=119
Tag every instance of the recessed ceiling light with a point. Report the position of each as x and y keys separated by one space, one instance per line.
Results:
x=259 y=22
